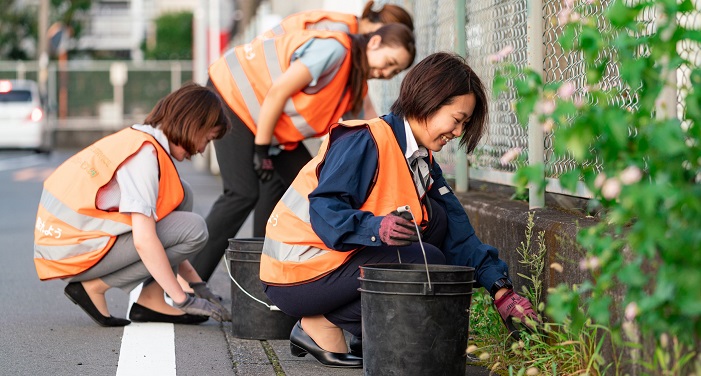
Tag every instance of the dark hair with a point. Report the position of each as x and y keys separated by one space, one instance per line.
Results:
x=189 y=114
x=394 y=35
x=435 y=82
x=389 y=13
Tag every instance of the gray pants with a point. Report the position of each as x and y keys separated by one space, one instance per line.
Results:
x=181 y=232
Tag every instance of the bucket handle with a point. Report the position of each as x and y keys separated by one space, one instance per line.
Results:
x=270 y=307
x=407 y=209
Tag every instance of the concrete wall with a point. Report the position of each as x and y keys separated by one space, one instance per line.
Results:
x=501 y=221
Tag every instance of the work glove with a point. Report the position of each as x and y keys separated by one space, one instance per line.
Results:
x=202 y=291
x=203 y=307
x=262 y=163
x=512 y=305
x=397 y=229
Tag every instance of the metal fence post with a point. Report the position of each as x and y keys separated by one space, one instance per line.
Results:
x=536 y=148
x=462 y=171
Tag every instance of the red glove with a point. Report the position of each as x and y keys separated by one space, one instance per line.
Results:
x=512 y=305
x=398 y=230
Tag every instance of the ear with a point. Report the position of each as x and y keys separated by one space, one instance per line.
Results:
x=374 y=42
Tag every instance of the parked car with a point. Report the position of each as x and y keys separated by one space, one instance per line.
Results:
x=22 y=119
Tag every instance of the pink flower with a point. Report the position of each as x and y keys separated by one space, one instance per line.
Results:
x=590 y=263
x=600 y=179
x=509 y=156
x=548 y=125
x=631 y=175
x=566 y=90
x=611 y=188
x=631 y=311
x=499 y=56
x=546 y=107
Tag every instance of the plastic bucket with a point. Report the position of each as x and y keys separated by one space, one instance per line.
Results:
x=411 y=326
x=251 y=318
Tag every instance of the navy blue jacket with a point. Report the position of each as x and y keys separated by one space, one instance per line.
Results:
x=344 y=182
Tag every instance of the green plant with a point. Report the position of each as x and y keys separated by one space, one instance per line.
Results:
x=173 y=37
x=640 y=161
x=534 y=261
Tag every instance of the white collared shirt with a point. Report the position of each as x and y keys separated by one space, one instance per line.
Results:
x=415 y=155
x=134 y=188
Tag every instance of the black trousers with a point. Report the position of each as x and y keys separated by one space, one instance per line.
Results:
x=242 y=190
x=336 y=295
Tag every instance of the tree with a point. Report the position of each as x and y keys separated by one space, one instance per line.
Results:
x=173 y=37
x=18 y=30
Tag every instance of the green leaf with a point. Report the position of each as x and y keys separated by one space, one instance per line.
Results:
x=620 y=14
x=569 y=179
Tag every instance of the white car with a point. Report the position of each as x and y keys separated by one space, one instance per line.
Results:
x=22 y=118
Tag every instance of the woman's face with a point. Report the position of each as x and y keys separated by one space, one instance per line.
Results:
x=386 y=61
x=445 y=124
x=180 y=154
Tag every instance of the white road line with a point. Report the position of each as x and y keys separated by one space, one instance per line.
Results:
x=147 y=348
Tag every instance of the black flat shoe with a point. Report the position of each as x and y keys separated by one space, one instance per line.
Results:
x=356 y=346
x=139 y=313
x=77 y=294
x=302 y=344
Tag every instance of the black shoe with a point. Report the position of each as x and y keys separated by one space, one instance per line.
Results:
x=356 y=346
x=302 y=344
x=77 y=294
x=139 y=313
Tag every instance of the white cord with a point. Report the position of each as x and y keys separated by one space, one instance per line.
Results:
x=270 y=307
x=407 y=209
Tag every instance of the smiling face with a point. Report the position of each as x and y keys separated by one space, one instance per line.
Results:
x=445 y=124
x=180 y=154
x=386 y=61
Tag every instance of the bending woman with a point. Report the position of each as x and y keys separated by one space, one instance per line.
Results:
x=341 y=210
x=116 y=214
x=279 y=92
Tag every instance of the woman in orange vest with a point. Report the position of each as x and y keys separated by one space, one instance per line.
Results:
x=348 y=207
x=116 y=214
x=368 y=22
x=279 y=92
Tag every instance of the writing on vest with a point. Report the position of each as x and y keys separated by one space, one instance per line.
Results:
x=244 y=75
x=292 y=252
x=71 y=234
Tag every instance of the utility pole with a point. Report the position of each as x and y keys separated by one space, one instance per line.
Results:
x=43 y=48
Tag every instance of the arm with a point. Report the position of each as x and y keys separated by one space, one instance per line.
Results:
x=295 y=78
x=461 y=245
x=368 y=109
x=152 y=254
x=344 y=182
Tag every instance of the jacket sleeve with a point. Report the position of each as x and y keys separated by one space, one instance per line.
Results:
x=344 y=182
x=461 y=245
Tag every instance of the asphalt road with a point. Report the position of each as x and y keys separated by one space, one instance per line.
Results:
x=41 y=331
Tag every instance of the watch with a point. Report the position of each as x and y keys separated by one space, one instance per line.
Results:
x=500 y=284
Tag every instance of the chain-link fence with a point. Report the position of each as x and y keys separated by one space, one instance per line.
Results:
x=491 y=25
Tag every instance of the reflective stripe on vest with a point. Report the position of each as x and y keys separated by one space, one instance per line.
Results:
x=315 y=20
x=71 y=234
x=244 y=74
x=292 y=250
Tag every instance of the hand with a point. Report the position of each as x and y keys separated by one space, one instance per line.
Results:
x=202 y=291
x=262 y=162
x=398 y=230
x=512 y=305
x=203 y=307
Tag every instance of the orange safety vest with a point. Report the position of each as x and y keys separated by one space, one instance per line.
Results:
x=292 y=252
x=71 y=234
x=244 y=74
x=315 y=20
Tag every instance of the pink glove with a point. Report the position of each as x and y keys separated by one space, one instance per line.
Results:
x=512 y=305
x=397 y=230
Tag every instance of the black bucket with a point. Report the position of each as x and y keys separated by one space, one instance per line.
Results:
x=411 y=327
x=252 y=318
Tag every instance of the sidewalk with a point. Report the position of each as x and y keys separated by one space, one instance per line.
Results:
x=253 y=357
